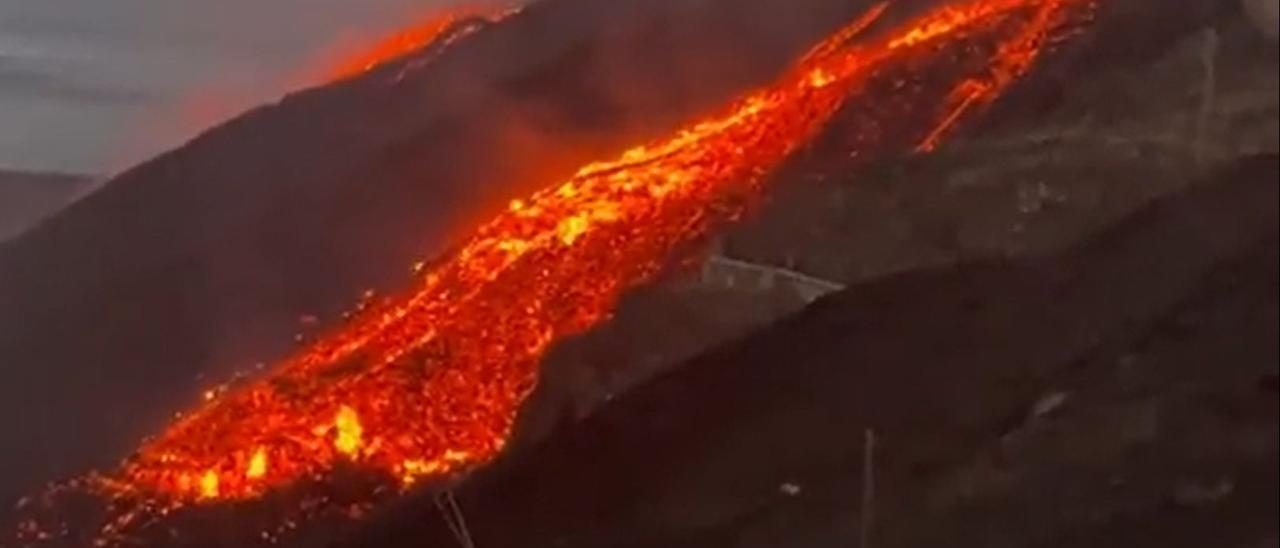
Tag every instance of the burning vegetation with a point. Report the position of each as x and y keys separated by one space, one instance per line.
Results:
x=427 y=384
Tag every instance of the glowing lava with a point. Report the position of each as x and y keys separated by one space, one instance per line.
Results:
x=428 y=384
x=412 y=39
x=445 y=368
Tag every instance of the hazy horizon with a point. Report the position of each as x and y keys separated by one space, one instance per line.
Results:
x=92 y=87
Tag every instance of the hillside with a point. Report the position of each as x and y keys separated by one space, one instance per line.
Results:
x=26 y=198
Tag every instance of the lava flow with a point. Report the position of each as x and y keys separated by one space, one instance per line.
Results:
x=428 y=384
x=415 y=38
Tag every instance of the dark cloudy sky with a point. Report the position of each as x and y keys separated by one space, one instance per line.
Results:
x=93 y=85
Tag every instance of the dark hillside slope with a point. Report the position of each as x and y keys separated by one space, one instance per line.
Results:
x=26 y=198
x=1159 y=334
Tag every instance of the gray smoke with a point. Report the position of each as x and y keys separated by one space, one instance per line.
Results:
x=91 y=86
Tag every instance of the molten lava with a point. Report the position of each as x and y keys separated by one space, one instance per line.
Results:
x=428 y=384
x=406 y=41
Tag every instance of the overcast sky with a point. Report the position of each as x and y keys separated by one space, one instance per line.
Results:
x=94 y=85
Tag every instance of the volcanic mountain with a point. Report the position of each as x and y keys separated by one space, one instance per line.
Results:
x=200 y=262
x=296 y=209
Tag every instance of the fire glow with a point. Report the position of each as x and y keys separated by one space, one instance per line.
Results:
x=428 y=384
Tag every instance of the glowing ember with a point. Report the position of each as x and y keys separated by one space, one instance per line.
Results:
x=428 y=384
x=209 y=485
x=257 y=465
x=347 y=432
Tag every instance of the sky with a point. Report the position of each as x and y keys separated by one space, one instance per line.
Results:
x=93 y=86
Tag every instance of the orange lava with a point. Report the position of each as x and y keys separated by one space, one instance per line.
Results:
x=411 y=39
x=428 y=383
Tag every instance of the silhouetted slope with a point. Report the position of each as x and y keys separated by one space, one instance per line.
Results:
x=26 y=198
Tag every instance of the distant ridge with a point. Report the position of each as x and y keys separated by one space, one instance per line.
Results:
x=28 y=197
